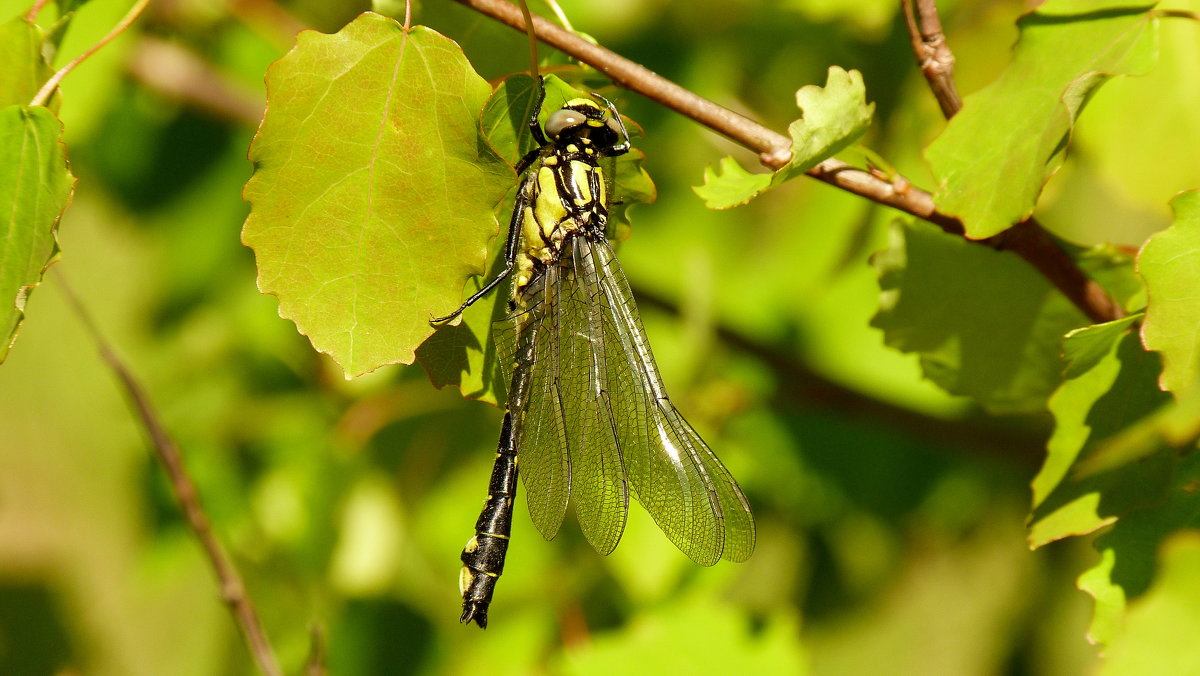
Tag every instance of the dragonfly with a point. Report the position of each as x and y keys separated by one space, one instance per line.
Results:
x=587 y=420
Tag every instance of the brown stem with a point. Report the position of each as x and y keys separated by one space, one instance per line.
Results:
x=233 y=590
x=774 y=147
x=35 y=9
x=933 y=54
x=1037 y=247
x=1027 y=239
x=126 y=21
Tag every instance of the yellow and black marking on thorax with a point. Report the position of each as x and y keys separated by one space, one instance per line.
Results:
x=566 y=193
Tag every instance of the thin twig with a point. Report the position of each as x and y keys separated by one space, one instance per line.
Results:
x=1036 y=247
x=233 y=590
x=35 y=9
x=126 y=21
x=533 y=54
x=933 y=54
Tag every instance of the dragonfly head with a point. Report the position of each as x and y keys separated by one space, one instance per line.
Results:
x=584 y=118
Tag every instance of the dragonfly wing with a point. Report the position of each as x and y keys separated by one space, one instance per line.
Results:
x=528 y=344
x=673 y=473
x=600 y=491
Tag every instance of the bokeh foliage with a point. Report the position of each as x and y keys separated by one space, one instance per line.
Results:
x=891 y=513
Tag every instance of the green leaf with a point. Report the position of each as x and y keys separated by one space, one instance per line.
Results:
x=984 y=323
x=1170 y=264
x=997 y=153
x=1160 y=629
x=731 y=185
x=505 y=118
x=25 y=69
x=1085 y=348
x=1176 y=424
x=464 y=355
x=832 y=118
x=1128 y=563
x=35 y=188
x=1101 y=399
x=373 y=193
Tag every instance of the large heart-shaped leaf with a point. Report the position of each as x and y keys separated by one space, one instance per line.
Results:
x=25 y=69
x=373 y=192
x=35 y=182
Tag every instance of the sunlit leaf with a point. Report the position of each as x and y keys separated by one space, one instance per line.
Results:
x=984 y=323
x=1129 y=567
x=1097 y=403
x=1160 y=628
x=1170 y=264
x=35 y=187
x=373 y=193
x=1011 y=136
x=1085 y=348
x=730 y=185
x=832 y=118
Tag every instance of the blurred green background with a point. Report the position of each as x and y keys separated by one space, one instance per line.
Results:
x=890 y=515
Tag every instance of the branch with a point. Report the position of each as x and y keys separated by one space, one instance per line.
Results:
x=809 y=390
x=1029 y=242
x=1028 y=239
x=126 y=21
x=933 y=54
x=35 y=9
x=233 y=590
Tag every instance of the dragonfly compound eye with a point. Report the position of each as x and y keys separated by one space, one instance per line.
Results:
x=562 y=120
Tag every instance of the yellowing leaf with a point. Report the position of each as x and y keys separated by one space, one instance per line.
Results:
x=373 y=193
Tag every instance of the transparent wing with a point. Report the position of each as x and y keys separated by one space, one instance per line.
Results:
x=672 y=472
x=528 y=344
x=562 y=416
x=600 y=492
